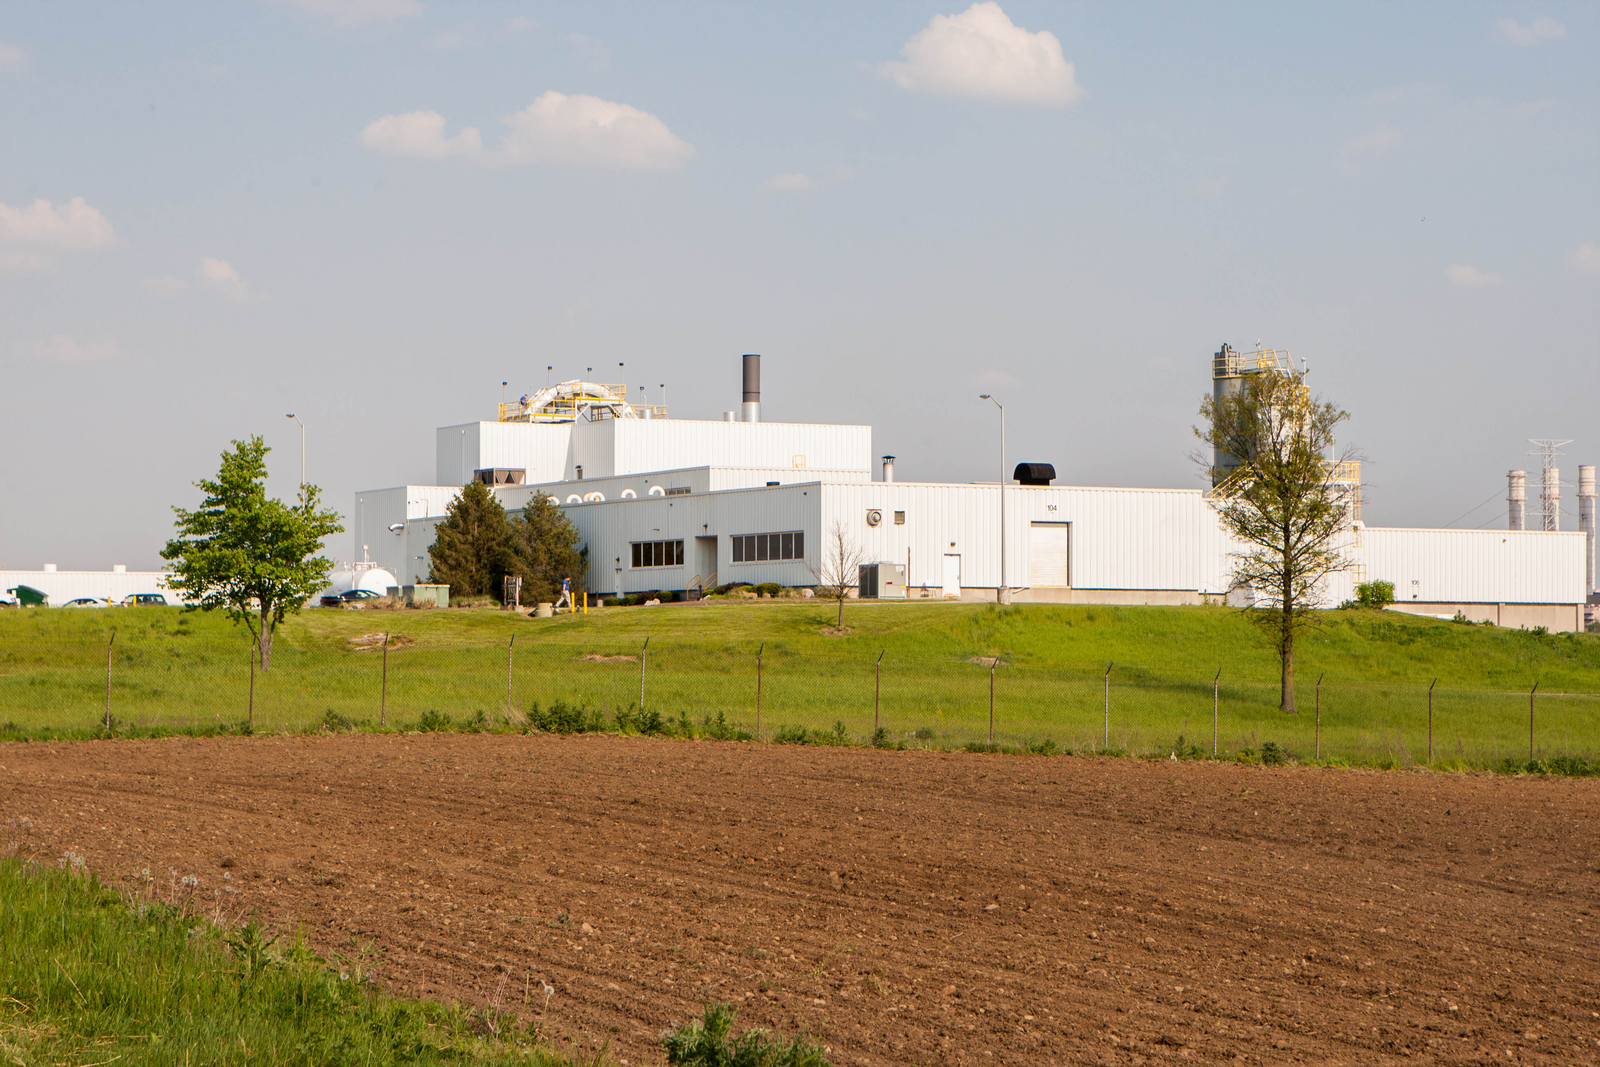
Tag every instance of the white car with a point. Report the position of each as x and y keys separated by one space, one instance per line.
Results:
x=86 y=602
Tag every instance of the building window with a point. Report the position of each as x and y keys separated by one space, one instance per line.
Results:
x=763 y=548
x=658 y=553
x=899 y=518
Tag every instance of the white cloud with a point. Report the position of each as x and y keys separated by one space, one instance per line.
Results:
x=1536 y=32
x=1357 y=153
x=585 y=129
x=523 y=24
x=996 y=378
x=555 y=128
x=1585 y=257
x=72 y=225
x=419 y=133
x=67 y=349
x=219 y=276
x=451 y=40
x=981 y=54
x=1470 y=277
x=355 y=12
x=11 y=57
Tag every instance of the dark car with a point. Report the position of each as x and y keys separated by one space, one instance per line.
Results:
x=144 y=600
x=350 y=597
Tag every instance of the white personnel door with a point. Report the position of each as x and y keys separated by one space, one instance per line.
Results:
x=952 y=574
x=1047 y=555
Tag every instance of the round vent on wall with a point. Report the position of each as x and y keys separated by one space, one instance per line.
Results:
x=874 y=517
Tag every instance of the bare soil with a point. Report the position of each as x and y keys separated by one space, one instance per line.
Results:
x=904 y=907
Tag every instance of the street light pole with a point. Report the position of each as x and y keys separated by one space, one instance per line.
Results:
x=296 y=418
x=1003 y=595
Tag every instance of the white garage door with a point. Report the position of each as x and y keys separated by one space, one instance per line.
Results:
x=1047 y=554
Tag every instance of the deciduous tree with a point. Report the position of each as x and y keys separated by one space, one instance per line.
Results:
x=1277 y=490
x=838 y=568
x=247 y=554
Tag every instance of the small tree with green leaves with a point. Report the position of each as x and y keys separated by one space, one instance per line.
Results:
x=472 y=546
x=545 y=544
x=1278 y=492
x=1375 y=594
x=244 y=553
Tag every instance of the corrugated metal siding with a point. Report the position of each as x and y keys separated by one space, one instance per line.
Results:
x=1475 y=566
x=659 y=444
x=62 y=586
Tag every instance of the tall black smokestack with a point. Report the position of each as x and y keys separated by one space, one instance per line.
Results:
x=752 y=388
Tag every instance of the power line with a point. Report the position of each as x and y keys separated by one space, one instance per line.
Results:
x=1470 y=510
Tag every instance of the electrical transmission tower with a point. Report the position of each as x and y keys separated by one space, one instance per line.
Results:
x=1550 y=488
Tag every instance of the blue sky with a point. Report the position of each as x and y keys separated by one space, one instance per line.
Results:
x=371 y=212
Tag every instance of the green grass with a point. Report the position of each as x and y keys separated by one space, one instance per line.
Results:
x=89 y=977
x=189 y=672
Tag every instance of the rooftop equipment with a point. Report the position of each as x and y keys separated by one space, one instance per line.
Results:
x=888 y=468
x=1228 y=372
x=752 y=388
x=1516 y=500
x=1035 y=473
x=567 y=401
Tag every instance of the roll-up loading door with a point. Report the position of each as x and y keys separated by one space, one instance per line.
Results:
x=1047 y=555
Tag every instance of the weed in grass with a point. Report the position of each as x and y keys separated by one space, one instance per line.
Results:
x=923 y=733
x=333 y=722
x=433 y=721
x=1185 y=749
x=881 y=739
x=1047 y=747
x=477 y=724
x=1272 y=755
x=709 y=1042
x=720 y=729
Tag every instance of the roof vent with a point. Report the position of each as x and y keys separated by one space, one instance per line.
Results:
x=1035 y=473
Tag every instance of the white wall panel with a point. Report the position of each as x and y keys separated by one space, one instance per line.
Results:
x=62 y=586
x=1475 y=566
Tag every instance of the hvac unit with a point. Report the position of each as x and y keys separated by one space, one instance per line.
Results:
x=883 y=580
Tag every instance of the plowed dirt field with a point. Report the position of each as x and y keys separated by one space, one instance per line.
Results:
x=904 y=907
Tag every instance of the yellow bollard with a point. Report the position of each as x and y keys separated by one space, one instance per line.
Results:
x=586 y=601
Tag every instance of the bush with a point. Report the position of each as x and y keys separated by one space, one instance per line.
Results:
x=1375 y=594
x=1272 y=755
x=708 y=1042
x=558 y=718
x=768 y=588
x=333 y=722
x=433 y=722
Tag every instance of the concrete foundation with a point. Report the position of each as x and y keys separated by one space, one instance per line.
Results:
x=1560 y=618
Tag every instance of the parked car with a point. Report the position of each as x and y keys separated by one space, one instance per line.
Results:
x=87 y=602
x=144 y=600
x=355 y=597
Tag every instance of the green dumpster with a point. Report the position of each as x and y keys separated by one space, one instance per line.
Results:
x=29 y=597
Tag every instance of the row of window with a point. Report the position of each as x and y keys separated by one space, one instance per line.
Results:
x=658 y=553
x=747 y=548
x=756 y=548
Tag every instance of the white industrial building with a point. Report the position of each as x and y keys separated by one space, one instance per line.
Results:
x=676 y=504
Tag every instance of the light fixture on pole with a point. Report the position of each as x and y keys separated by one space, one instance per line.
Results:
x=1003 y=595
x=296 y=418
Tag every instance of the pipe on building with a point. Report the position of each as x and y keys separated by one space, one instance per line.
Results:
x=888 y=468
x=1516 y=500
x=752 y=388
x=1586 y=495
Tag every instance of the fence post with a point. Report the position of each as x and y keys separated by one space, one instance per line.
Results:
x=1216 y=689
x=877 y=693
x=383 y=693
x=1430 y=720
x=759 y=651
x=644 y=655
x=1532 y=691
x=510 y=645
x=109 y=643
x=1107 y=744
x=250 y=712
x=993 y=663
x=1319 y=713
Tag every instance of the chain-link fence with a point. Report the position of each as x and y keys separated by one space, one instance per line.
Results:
x=195 y=684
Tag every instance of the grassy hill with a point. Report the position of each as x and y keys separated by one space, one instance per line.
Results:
x=189 y=671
